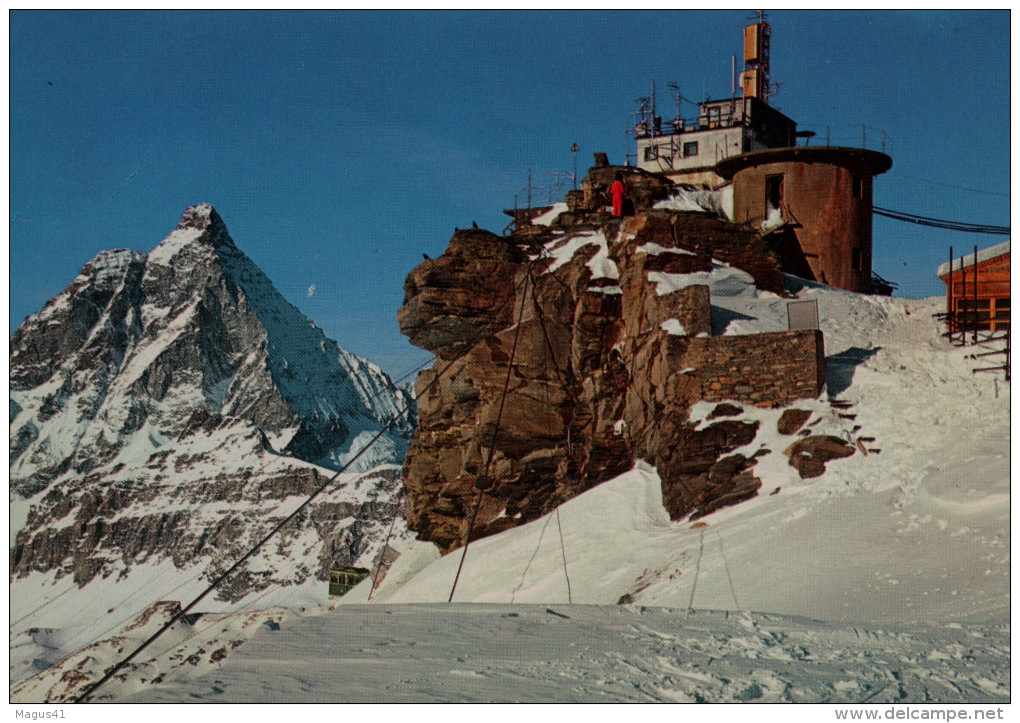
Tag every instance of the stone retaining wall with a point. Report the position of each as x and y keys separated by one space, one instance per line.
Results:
x=767 y=370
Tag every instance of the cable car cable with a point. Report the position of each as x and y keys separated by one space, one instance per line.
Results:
x=941 y=223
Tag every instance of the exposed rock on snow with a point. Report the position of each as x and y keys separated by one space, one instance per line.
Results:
x=792 y=420
x=808 y=456
x=195 y=644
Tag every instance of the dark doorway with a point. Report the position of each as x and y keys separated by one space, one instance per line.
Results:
x=773 y=194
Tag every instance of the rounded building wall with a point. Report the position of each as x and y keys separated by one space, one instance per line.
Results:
x=825 y=197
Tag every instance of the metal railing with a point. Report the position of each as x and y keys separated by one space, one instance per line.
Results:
x=845 y=136
x=852 y=136
x=685 y=125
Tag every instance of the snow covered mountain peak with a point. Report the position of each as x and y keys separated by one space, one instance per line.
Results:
x=200 y=216
x=168 y=406
x=145 y=339
x=200 y=226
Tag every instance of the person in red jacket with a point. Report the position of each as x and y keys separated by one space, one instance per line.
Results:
x=618 y=191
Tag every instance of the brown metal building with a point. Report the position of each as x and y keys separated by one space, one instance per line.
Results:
x=977 y=290
x=819 y=200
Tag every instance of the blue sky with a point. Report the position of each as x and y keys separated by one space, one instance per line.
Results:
x=340 y=146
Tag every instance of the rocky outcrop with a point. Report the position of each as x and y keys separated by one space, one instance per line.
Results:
x=566 y=353
x=808 y=456
x=449 y=304
x=792 y=420
x=588 y=203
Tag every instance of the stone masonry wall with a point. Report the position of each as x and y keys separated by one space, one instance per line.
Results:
x=767 y=370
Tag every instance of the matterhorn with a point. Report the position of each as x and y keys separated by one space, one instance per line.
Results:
x=167 y=410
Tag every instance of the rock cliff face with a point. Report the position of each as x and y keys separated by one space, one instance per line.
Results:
x=566 y=352
x=167 y=410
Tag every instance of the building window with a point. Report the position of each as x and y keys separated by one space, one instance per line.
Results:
x=651 y=153
x=985 y=314
x=690 y=149
x=1000 y=314
x=714 y=116
x=974 y=313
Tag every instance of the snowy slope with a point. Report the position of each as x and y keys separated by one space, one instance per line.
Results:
x=916 y=530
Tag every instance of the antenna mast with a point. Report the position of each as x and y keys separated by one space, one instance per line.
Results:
x=678 y=119
x=755 y=81
x=654 y=129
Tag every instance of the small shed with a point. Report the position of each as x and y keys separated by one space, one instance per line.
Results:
x=977 y=290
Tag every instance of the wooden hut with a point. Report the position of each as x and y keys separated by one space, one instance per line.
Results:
x=977 y=290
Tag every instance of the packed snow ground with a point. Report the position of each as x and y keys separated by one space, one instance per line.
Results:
x=587 y=654
x=894 y=564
